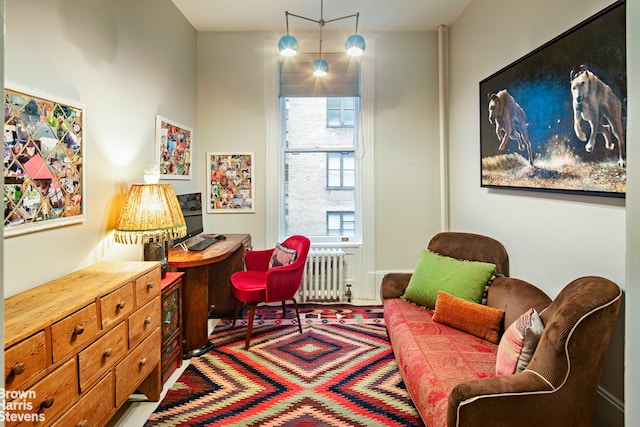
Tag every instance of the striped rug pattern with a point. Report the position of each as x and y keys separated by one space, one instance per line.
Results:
x=339 y=372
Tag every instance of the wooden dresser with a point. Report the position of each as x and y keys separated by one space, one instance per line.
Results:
x=78 y=346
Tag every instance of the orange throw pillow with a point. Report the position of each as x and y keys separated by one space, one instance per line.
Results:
x=477 y=319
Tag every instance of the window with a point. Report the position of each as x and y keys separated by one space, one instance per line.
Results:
x=341 y=170
x=341 y=223
x=320 y=188
x=340 y=112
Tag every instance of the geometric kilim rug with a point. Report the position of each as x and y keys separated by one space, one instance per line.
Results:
x=339 y=372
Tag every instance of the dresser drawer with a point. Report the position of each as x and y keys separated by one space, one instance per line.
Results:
x=147 y=287
x=48 y=397
x=100 y=356
x=117 y=305
x=93 y=407
x=136 y=366
x=24 y=360
x=144 y=321
x=73 y=331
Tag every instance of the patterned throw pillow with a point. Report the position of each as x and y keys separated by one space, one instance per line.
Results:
x=518 y=343
x=282 y=256
x=476 y=319
x=485 y=294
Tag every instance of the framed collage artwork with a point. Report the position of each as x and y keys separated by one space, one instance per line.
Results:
x=174 y=145
x=44 y=154
x=230 y=184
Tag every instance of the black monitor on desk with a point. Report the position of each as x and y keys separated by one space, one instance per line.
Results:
x=191 y=205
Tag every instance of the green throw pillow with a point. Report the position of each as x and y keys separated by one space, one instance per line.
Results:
x=433 y=273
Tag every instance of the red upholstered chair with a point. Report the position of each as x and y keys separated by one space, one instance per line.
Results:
x=259 y=283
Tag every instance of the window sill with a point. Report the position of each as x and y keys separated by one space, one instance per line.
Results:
x=350 y=244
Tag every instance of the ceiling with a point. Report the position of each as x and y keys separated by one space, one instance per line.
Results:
x=268 y=15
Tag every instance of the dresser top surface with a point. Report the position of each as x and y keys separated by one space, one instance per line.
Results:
x=36 y=308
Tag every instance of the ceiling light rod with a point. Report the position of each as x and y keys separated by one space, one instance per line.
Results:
x=321 y=21
x=288 y=45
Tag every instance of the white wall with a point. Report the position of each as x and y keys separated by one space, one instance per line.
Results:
x=551 y=239
x=231 y=116
x=407 y=177
x=632 y=338
x=127 y=65
x=126 y=61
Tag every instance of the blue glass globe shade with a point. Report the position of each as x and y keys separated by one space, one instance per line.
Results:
x=320 y=67
x=288 y=45
x=355 y=45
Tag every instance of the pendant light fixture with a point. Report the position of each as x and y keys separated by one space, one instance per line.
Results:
x=288 y=45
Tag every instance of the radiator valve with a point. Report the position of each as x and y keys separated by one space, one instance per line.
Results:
x=347 y=293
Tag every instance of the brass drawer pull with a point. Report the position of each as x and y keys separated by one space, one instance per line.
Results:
x=108 y=352
x=120 y=305
x=47 y=402
x=78 y=330
x=18 y=368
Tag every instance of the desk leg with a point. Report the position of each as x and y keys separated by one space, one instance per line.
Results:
x=195 y=311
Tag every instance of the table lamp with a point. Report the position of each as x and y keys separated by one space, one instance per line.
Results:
x=151 y=215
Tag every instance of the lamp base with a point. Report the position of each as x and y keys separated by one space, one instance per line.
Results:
x=158 y=251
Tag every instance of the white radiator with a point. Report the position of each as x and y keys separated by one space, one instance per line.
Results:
x=323 y=279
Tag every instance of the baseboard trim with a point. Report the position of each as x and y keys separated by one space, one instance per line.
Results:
x=614 y=401
x=608 y=411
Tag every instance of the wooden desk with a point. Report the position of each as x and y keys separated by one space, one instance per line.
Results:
x=206 y=287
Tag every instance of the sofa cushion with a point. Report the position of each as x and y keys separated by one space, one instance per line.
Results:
x=282 y=255
x=434 y=358
x=477 y=319
x=518 y=343
x=433 y=273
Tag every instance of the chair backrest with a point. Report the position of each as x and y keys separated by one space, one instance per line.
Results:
x=471 y=247
x=301 y=245
x=284 y=282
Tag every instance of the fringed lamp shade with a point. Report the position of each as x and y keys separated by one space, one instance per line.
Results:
x=151 y=213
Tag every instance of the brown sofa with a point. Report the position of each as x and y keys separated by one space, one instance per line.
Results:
x=559 y=385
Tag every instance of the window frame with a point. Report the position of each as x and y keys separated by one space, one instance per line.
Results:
x=284 y=150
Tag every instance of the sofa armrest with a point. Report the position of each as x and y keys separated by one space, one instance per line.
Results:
x=394 y=284
x=501 y=401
